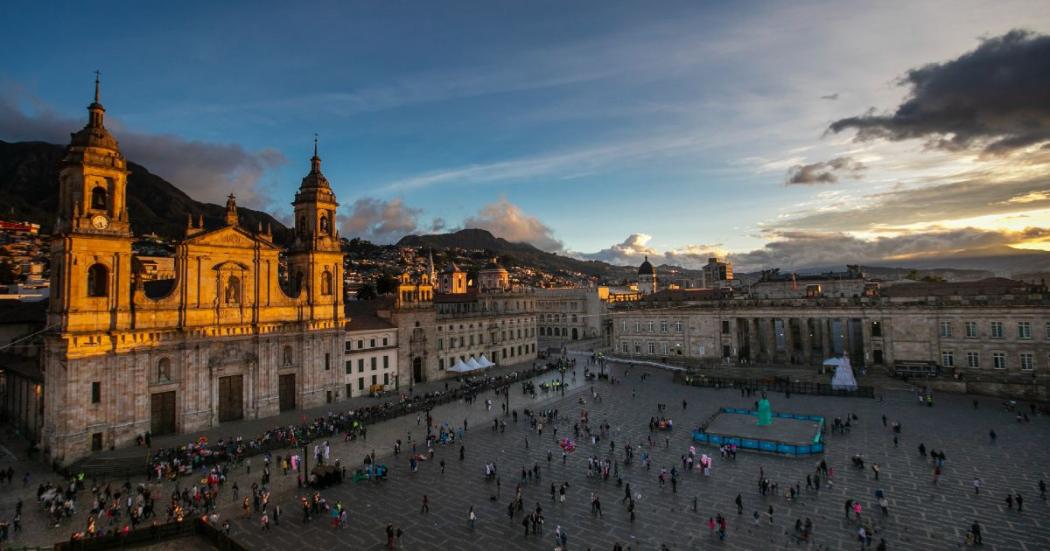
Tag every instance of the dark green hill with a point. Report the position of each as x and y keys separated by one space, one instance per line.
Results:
x=29 y=191
x=521 y=253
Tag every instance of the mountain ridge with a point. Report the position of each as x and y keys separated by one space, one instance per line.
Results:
x=29 y=192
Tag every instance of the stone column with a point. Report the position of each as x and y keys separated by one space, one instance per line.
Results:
x=825 y=338
x=752 y=340
x=807 y=341
x=771 y=339
x=789 y=342
x=845 y=337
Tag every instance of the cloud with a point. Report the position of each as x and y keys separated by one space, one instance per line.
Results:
x=556 y=165
x=995 y=98
x=825 y=172
x=976 y=194
x=801 y=249
x=204 y=171
x=381 y=221
x=505 y=219
x=631 y=251
x=693 y=256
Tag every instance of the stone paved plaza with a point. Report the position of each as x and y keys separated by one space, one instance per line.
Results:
x=922 y=515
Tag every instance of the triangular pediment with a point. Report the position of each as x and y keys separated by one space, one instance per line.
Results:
x=228 y=236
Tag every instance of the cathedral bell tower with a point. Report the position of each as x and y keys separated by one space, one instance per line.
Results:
x=91 y=244
x=315 y=260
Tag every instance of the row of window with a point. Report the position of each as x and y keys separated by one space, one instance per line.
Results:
x=372 y=343
x=652 y=348
x=995 y=329
x=558 y=318
x=651 y=326
x=452 y=327
x=462 y=341
x=373 y=362
x=98 y=284
x=1025 y=360
x=361 y=383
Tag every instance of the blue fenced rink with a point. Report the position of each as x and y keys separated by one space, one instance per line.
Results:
x=790 y=434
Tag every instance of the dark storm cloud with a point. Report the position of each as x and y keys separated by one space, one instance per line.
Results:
x=203 y=170
x=995 y=98
x=825 y=172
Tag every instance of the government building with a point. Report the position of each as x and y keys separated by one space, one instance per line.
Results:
x=225 y=336
x=990 y=336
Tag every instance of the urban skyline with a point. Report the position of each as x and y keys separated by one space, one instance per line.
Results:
x=754 y=119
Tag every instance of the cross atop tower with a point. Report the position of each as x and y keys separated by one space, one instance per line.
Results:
x=98 y=75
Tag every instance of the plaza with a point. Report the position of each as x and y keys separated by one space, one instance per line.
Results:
x=921 y=515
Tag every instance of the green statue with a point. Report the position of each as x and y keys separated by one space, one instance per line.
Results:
x=765 y=413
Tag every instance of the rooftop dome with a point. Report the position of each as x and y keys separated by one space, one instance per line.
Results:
x=646 y=268
x=94 y=134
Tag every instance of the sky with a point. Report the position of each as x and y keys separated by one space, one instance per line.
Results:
x=781 y=134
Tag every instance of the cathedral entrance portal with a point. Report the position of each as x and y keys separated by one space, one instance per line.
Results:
x=417 y=369
x=286 y=391
x=231 y=398
x=162 y=413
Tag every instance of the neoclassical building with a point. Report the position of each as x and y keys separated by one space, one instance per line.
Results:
x=226 y=338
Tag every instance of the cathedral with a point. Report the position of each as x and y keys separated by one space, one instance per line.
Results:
x=226 y=338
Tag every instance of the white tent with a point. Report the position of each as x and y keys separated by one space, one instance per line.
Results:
x=484 y=362
x=843 y=378
x=473 y=364
x=459 y=367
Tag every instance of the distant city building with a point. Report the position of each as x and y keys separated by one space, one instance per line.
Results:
x=572 y=313
x=19 y=228
x=493 y=277
x=370 y=363
x=452 y=281
x=646 y=278
x=717 y=273
x=152 y=268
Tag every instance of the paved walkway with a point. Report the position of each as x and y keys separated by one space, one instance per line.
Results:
x=37 y=531
x=922 y=515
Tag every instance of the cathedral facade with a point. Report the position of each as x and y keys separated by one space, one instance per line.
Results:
x=227 y=338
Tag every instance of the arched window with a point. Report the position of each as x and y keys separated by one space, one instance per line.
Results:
x=164 y=370
x=233 y=290
x=302 y=225
x=98 y=198
x=324 y=224
x=288 y=355
x=298 y=287
x=326 y=283
x=98 y=281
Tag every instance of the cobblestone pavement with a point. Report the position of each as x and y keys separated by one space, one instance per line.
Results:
x=38 y=531
x=922 y=515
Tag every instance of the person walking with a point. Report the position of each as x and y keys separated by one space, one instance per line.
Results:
x=875 y=469
x=1020 y=503
x=770 y=513
x=992 y=436
x=471 y=517
x=426 y=504
x=739 y=505
x=977 y=486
